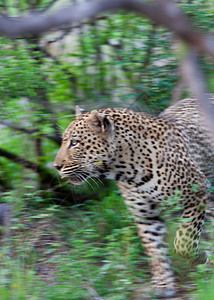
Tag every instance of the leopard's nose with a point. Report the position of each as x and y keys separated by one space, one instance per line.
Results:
x=58 y=167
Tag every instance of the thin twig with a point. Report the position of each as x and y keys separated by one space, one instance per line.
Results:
x=71 y=76
x=93 y=292
x=150 y=47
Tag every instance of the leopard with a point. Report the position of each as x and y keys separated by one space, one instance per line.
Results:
x=150 y=158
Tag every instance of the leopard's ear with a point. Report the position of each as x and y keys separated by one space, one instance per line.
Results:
x=79 y=111
x=100 y=123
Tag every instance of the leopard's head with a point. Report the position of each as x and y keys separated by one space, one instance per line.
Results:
x=87 y=147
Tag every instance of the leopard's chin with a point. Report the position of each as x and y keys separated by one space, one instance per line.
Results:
x=75 y=181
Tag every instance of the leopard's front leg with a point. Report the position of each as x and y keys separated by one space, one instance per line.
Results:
x=151 y=230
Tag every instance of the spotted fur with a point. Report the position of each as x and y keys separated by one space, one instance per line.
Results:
x=150 y=158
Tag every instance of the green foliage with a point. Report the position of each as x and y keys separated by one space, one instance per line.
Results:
x=118 y=60
x=20 y=76
x=57 y=253
x=205 y=284
x=107 y=260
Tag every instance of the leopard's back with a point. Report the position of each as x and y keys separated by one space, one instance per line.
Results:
x=187 y=115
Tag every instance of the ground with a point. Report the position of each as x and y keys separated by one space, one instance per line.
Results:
x=89 y=251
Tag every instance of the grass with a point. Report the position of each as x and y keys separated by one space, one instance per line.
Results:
x=85 y=252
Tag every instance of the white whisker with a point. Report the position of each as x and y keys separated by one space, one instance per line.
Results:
x=99 y=180
x=95 y=181
x=86 y=180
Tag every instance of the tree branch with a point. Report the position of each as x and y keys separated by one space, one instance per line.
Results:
x=18 y=159
x=196 y=81
x=162 y=12
x=68 y=29
x=48 y=181
x=54 y=138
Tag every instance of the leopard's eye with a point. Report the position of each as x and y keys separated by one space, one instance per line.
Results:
x=73 y=143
